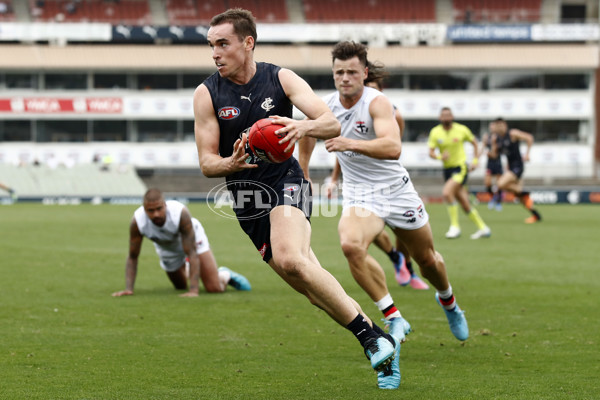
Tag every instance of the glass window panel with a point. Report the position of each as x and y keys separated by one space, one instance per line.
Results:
x=62 y=131
x=110 y=81
x=551 y=130
x=514 y=80
x=21 y=81
x=191 y=81
x=157 y=81
x=157 y=131
x=566 y=81
x=562 y=131
x=319 y=81
x=188 y=131
x=108 y=130
x=15 y=131
x=66 y=81
x=393 y=81
x=418 y=130
x=438 y=82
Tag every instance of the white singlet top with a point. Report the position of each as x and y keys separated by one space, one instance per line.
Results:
x=166 y=238
x=359 y=169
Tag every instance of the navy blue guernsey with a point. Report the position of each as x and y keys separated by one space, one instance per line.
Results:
x=488 y=145
x=511 y=150
x=237 y=108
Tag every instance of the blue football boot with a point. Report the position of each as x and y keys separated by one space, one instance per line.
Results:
x=389 y=377
x=238 y=281
x=456 y=320
x=380 y=352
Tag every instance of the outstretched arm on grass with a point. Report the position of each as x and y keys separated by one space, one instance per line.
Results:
x=135 y=246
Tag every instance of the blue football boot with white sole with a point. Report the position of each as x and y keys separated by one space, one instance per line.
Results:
x=238 y=281
x=399 y=328
x=456 y=320
x=380 y=352
x=389 y=377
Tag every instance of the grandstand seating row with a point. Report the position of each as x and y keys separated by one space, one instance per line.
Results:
x=6 y=11
x=84 y=180
x=473 y=11
x=131 y=12
x=192 y=12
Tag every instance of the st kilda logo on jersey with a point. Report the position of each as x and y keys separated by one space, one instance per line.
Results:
x=361 y=128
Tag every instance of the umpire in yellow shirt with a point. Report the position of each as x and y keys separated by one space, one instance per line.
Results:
x=448 y=138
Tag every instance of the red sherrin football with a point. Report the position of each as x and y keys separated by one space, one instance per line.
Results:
x=264 y=143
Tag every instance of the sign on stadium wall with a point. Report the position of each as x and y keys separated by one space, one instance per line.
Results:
x=489 y=33
x=374 y=34
x=58 y=105
x=55 y=31
x=548 y=105
x=565 y=32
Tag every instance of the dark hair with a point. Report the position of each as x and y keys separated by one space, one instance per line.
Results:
x=376 y=73
x=347 y=50
x=499 y=119
x=242 y=20
x=446 y=109
x=153 y=194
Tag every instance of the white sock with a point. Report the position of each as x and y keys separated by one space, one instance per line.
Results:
x=224 y=276
x=385 y=303
x=446 y=294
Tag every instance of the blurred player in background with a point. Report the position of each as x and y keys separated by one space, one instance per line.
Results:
x=10 y=191
x=377 y=191
x=493 y=169
x=449 y=137
x=511 y=180
x=177 y=237
x=226 y=105
x=399 y=255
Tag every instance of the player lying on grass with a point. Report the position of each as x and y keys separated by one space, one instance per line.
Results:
x=177 y=237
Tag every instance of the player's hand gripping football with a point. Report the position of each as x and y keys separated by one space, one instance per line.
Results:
x=238 y=158
x=296 y=130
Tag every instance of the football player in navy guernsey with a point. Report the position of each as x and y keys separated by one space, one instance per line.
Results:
x=226 y=105
x=493 y=169
x=377 y=190
x=177 y=237
x=512 y=179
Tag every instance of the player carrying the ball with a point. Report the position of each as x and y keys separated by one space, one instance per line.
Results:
x=377 y=190
x=226 y=105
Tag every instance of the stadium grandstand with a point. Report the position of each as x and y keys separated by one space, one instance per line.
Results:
x=94 y=80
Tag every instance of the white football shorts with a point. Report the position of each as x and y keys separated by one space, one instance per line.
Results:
x=398 y=205
x=171 y=262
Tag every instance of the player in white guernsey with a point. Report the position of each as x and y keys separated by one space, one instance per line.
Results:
x=177 y=237
x=377 y=190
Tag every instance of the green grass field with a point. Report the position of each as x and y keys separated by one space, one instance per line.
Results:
x=530 y=295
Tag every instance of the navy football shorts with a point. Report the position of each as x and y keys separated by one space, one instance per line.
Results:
x=294 y=191
x=494 y=166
